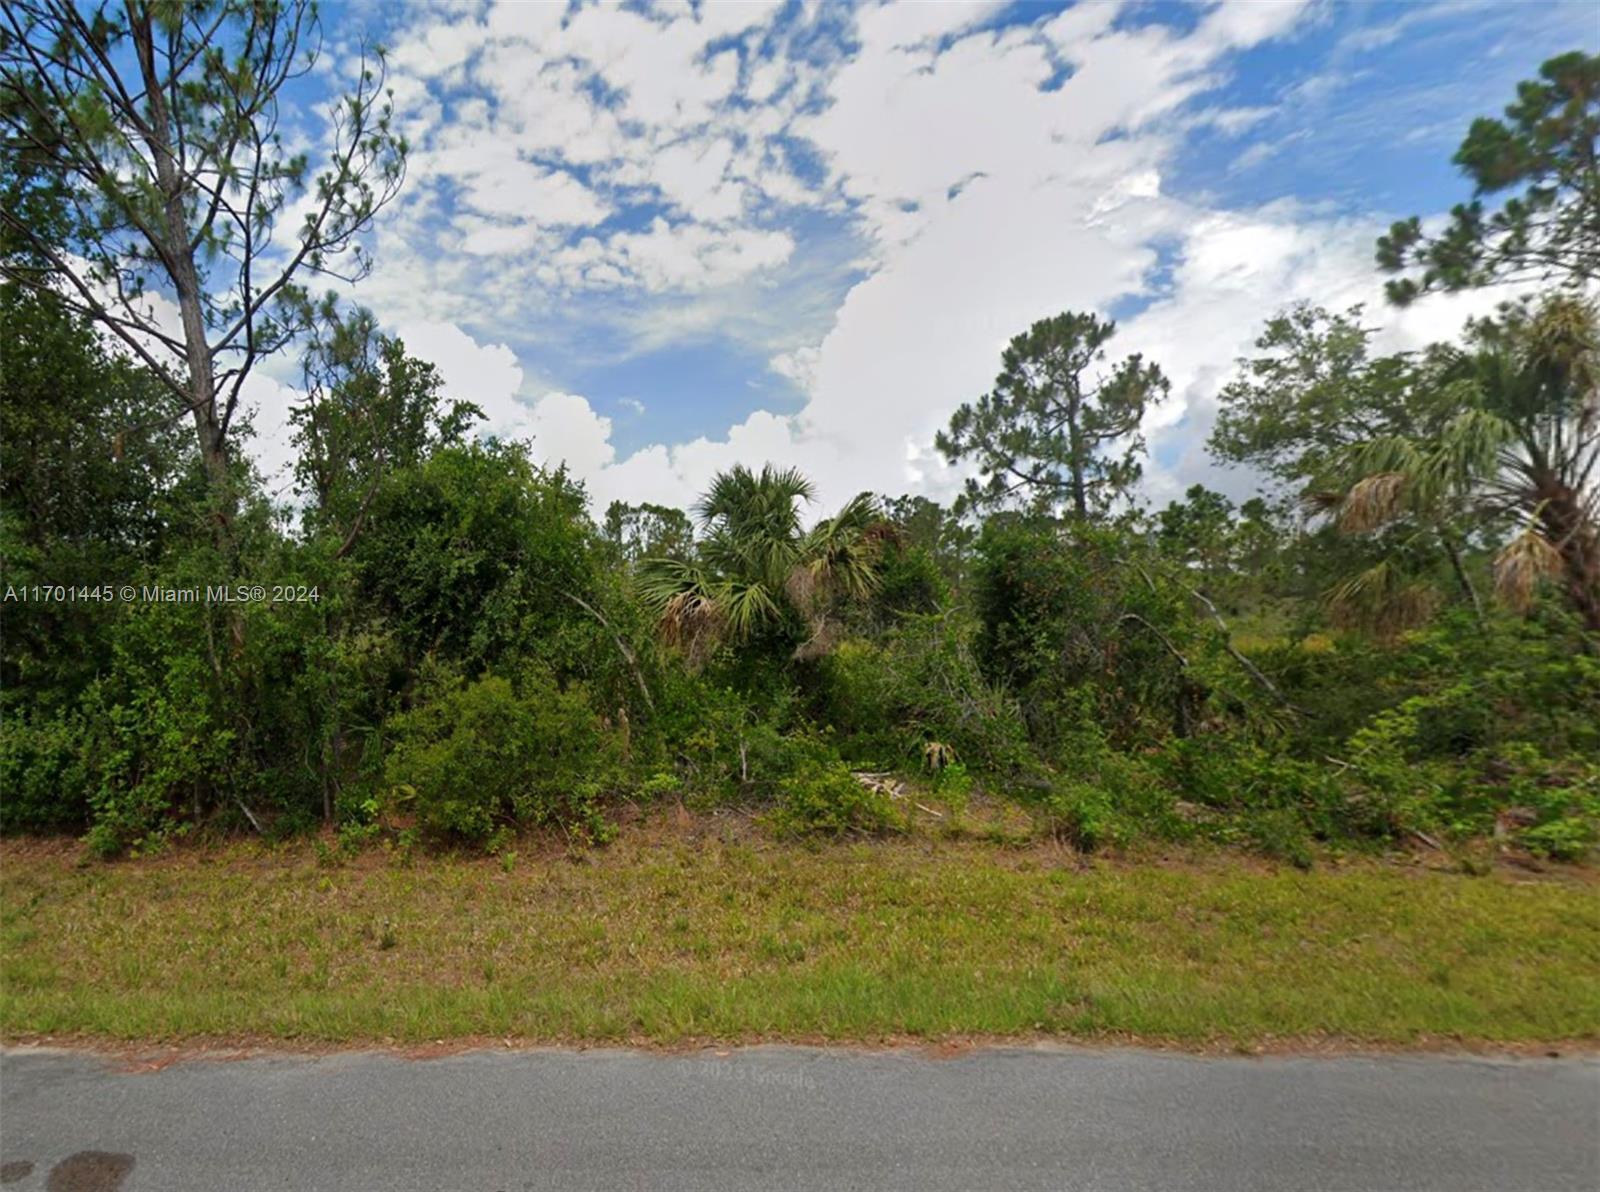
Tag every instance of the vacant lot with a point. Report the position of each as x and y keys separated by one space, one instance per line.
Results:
x=670 y=936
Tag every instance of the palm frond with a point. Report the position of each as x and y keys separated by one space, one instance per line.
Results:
x=1469 y=448
x=747 y=606
x=1522 y=563
x=1374 y=501
x=742 y=501
x=1565 y=334
x=688 y=604
x=658 y=582
x=841 y=553
x=1383 y=600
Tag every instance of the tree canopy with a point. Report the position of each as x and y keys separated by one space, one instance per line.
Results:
x=1545 y=149
x=1055 y=430
x=153 y=134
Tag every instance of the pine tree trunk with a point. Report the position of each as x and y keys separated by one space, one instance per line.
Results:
x=178 y=256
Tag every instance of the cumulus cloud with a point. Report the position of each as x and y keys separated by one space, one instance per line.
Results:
x=984 y=172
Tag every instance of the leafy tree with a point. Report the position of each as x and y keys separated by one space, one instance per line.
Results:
x=1313 y=390
x=1546 y=145
x=69 y=513
x=1525 y=445
x=1053 y=430
x=759 y=570
x=1299 y=409
x=646 y=530
x=1076 y=622
x=925 y=525
x=1197 y=531
x=1260 y=539
x=368 y=409
x=478 y=552
x=157 y=127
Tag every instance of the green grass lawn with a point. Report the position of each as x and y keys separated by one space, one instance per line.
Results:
x=678 y=935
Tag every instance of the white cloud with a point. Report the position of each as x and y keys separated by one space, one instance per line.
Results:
x=666 y=256
x=566 y=429
x=991 y=178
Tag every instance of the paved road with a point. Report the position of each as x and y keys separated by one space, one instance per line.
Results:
x=798 y=1118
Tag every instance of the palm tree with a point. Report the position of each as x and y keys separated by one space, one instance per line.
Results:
x=758 y=568
x=1524 y=447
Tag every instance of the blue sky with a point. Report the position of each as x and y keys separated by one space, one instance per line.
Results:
x=660 y=239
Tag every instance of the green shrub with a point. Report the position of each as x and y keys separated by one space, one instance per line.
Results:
x=909 y=583
x=480 y=756
x=44 y=778
x=1281 y=834
x=1082 y=814
x=922 y=683
x=163 y=729
x=1245 y=777
x=1065 y=609
x=825 y=798
x=953 y=784
x=731 y=747
x=1564 y=801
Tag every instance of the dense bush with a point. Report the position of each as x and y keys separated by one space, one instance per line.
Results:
x=824 y=797
x=477 y=758
x=1066 y=610
x=920 y=685
x=43 y=773
x=480 y=658
x=1415 y=594
x=479 y=553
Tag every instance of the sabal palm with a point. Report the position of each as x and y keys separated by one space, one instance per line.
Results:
x=757 y=565
x=1525 y=446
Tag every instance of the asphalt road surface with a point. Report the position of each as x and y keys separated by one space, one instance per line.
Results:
x=780 y=1117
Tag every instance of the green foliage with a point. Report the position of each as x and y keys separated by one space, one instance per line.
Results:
x=1069 y=611
x=648 y=531
x=923 y=525
x=368 y=409
x=1078 y=813
x=826 y=799
x=478 y=553
x=483 y=658
x=1312 y=391
x=476 y=757
x=729 y=749
x=1520 y=443
x=758 y=575
x=1196 y=532
x=43 y=773
x=71 y=512
x=920 y=684
x=953 y=784
x=134 y=188
x=1052 y=431
x=909 y=583
x=1550 y=232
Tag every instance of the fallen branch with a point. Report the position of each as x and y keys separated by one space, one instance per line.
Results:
x=623 y=648
x=250 y=815
x=1250 y=668
x=1165 y=640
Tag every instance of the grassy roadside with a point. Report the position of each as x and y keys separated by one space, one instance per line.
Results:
x=672 y=936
